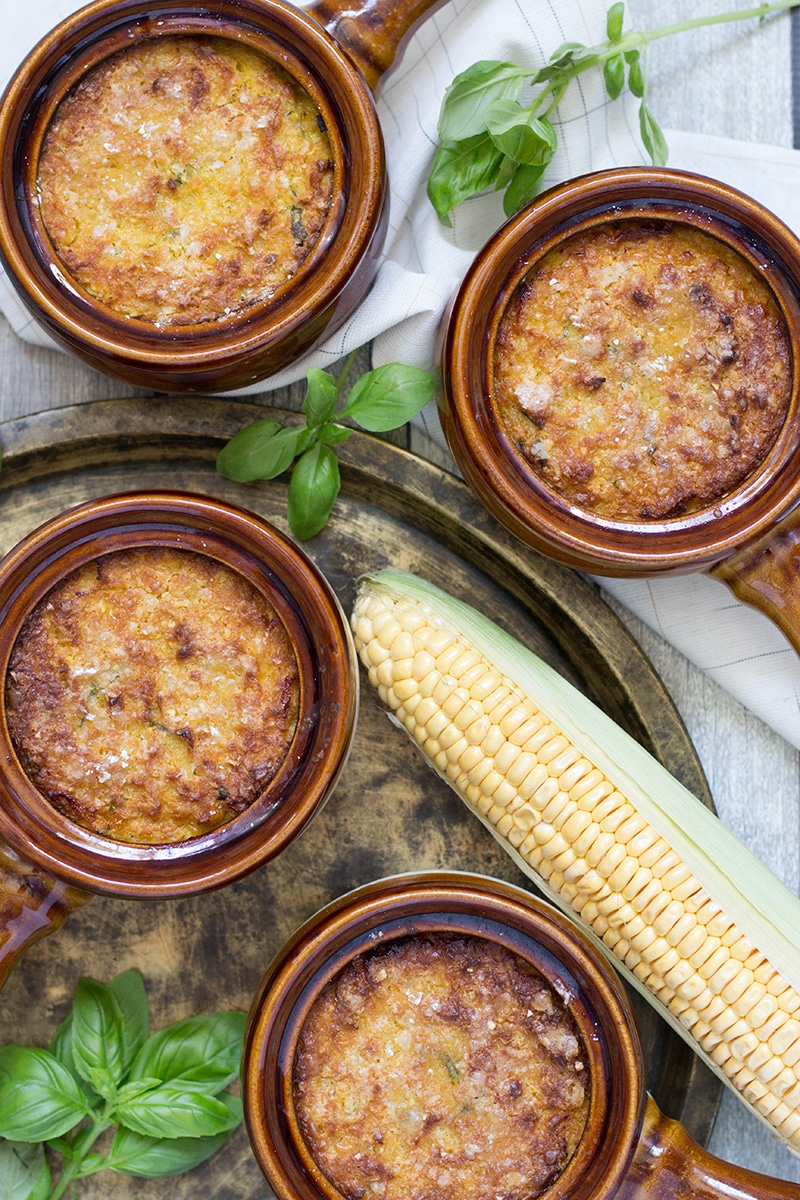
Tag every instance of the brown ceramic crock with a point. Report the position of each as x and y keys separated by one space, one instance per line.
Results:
x=749 y=539
x=629 y=1148
x=48 y=863
x=338 y=52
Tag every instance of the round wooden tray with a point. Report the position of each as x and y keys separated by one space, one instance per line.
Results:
x=390 y=813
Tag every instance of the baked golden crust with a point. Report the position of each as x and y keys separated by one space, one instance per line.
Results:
x=643 y=370
x=185 y=179
x=440 y=1068
x=152 y=695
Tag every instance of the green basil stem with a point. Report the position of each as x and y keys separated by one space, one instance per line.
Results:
x=636 y=39
x=71 y=1168
x=744 y=14
x=346 y=368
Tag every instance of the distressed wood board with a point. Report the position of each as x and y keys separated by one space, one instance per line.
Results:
x=389 y=813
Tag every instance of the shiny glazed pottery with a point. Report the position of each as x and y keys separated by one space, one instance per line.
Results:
x=48 y=863
x=338 y=53
x=628 y=1148
x=748 y=539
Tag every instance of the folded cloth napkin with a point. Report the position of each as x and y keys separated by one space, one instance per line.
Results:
x=424 y=261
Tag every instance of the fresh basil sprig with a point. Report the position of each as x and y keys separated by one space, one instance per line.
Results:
x=488 y=138
x=160 y=1098
x=378 y=401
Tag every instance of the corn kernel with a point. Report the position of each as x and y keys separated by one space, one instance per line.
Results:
x=555 y=749
x=384 y=673
x=528 y=735
x=452 y=701
x=522 y=765
x=691 y=941
x=574 y=774
x=591 y=796
x=555 y=847
x=624 y=873
x=592 y=779
x=423 y=664
x=438 y=641
x=489 y=685
x=546 y=791
x=513 y=718
x=724 y=974
x=629 y=827
x=642 y=841
x=405 y=689
x=558 y=808
x=784 y=1038
x=470 y=714
x=576 y=824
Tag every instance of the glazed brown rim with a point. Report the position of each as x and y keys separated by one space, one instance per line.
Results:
x=329 y=690
x=371 y=917
x=513 y=492
x=284 y=33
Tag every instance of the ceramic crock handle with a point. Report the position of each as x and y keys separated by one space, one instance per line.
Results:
x=373 y=32
x=669 y=1165
x=32 y=903
x=766 y=575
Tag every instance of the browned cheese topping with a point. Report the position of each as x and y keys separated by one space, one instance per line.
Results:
x=152 y=695
x=643 y=370
x=440 y=1069
x=185 y=179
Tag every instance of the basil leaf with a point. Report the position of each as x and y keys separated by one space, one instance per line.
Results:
x=565 y=52
x=313 y=489
x=136 y=1088
x=320 y=402
x=470 y=94
x=575 y=55
x=129 y=990
x=614 y=75
x=614 y=20
x=39 y=1098
x=460 y=170
x=508 y=169
x=262 y=450
x=24 y=1172
x=389 y=396
x=103 y=1082
x=204 y=1049
x=134 y=1154
x=527 y=139
x=635 y=74
x=522 y=188
x=331 y=434
x=61 y=1047
x=90 y=1165
x=652 y=136
x=183 y=1108
x=97 y=1036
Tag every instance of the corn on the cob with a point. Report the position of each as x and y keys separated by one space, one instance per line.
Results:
x=672 y=897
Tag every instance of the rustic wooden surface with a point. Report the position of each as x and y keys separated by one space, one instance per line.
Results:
x=729 y=80
x=210 y=952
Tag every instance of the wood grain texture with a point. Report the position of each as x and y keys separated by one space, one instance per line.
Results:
x=732 y=80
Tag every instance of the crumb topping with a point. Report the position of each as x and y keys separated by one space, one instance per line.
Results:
x=643 y=370
x=185 y=179
x=152 y=695
x=441 y=1067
